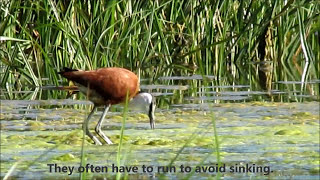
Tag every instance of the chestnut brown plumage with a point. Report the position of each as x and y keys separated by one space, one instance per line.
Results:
x=108 y=86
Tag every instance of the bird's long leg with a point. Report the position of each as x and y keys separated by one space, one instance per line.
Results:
x=86 y=128
x=98 y=127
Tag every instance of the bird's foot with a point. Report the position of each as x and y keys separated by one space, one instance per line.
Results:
x=103 y=136
x=96 y=141
x=108 y=141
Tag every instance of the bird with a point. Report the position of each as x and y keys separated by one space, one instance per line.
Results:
x=106 y=87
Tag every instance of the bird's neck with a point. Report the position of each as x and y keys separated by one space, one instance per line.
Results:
x=141 y=101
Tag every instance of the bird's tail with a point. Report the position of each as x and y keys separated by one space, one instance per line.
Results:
x=65 y=69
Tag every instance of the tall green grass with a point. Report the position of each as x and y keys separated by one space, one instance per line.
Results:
x=119 y=152
x=227 y=38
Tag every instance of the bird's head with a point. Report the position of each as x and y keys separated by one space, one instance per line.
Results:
x=145 y=102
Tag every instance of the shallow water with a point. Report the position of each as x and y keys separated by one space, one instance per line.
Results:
x=280 y=138
x=262 y=134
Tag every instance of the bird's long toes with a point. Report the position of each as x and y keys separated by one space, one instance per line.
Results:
x=96 y=141
x=106 y=139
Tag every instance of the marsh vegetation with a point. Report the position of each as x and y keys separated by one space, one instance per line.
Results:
x=235 y=82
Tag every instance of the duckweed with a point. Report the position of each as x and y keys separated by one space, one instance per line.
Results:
x=65 y=158
x=36 y=125
x=246 y=135
x=288 y=132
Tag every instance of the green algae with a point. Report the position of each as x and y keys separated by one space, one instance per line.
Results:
x=288 y=132
x=274 y=138
x=179 y=119
x=117 y=117
x=160 y=142
x=141 y=142
x=315 y=171
x=65 y=158
x=36 y=125
x=15 y=138
x=261 y=103
x=302 y=114
x=116 y=138
x=203 y=141
x=267 y=118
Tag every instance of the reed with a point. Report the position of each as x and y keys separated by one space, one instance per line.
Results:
x=229 y=39
x=119 y=152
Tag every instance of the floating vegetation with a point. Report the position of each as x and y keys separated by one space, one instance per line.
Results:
x=244 y=134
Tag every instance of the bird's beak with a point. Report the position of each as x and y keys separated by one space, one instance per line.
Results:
x=151 y=114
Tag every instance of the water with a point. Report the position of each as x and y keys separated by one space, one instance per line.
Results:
x=275 y=130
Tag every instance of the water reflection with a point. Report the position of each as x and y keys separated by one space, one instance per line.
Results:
x=182 y=89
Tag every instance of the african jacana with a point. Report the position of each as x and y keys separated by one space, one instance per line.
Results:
x=108 y=86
